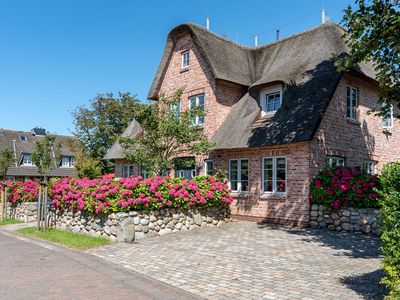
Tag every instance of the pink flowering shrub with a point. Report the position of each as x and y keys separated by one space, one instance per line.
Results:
x=342 y=187
x=18 y=192
x=106 y=195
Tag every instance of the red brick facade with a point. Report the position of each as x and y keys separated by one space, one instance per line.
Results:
x=355 y=141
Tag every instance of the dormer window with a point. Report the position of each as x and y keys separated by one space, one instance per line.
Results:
x=23 y=138
x=185 y=59
x=26 y=160
x=270 y=100
x=68 y=162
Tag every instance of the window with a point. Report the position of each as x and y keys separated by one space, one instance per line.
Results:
x=127 y=171
x=185 y=59
x=10 y=178
x=209 y=167
x=352 y=103
x=176 y=108
x=371 y=167
x=334 y=161
x=197 y=103
x=143 y=172
x=274 y=175
x=387 y=120
x=26 y=160
x=68 y=162
x=271 y=100
x=239 y=175
x=23 y=138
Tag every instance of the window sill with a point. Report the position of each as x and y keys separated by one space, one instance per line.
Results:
x=183 y=70
x=273 y=197
x=240 y=194
x=354 y=122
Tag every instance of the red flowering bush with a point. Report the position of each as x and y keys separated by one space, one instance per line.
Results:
x=342 y=187
x=106 y=195
x=18 y=192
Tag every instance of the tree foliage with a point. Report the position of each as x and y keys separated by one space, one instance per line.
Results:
x=7 y=159
x=85 y=165
x=166 y=136
x=390 y=218
x=101 y=124
x=46 y=154
x=373 y=34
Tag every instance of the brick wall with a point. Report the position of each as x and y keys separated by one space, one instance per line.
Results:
x=119 y=168
x=290 y=209
x=356 y=141
x=219 y=96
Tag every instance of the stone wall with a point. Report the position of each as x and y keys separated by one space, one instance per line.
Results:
x=136 y=225
x=365 y=220
x=26 y=211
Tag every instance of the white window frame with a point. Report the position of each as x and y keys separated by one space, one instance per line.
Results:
x=239 y=177
x=263 y=99
x=197 y=119
x=70 y=163
x=390 y=118
x=185 y=59
x=330 y=158
x=352 y=109
x=176 y=108
x=371 y=167
x=23 y=138
x=206 y=162
x=143 y=172
x=274 y=175
x=123 y=170
x=28 y=162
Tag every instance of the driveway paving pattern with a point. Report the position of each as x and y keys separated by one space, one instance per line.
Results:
x=245 y=260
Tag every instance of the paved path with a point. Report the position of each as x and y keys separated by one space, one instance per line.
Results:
x=246 y=261
x=31 y=269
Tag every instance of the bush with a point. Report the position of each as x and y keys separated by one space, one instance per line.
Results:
x=105 y=195
x=18 y=192
x=390 y=237
x=342 y=187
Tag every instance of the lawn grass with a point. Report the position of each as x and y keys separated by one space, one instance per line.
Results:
x=66 y=238
x=10 y=221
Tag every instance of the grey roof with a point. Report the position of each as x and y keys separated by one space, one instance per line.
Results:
x=302 y=63
x=116 y=151
x=11 y=139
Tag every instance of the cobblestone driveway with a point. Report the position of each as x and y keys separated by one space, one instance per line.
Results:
x=247 y=261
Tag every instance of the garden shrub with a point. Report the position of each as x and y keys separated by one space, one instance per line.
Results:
x=342 y=187
x=105 y=195
x=390 y=214
x=27 y=191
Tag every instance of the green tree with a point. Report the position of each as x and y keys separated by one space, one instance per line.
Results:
x=100 y=125
x=167 y=134
x=373 y=34
x=46 y=155
x=85 y=165
x=7 y=159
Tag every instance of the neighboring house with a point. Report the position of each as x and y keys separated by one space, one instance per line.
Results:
x=278 y=113
x=22 y=144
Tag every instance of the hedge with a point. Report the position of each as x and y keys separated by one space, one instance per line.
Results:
x=105 y=196
x=342 y=187
x=390 y=212
x=18 y=192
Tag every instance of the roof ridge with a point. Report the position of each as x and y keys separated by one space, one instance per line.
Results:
x=217 y=35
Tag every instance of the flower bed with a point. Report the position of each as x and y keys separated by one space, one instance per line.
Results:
x=105 y=196
x=343 y=188
x=20 y=192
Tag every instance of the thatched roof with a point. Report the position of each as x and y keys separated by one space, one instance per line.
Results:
x=116 y=151
x=302 y=63
x=23 y=142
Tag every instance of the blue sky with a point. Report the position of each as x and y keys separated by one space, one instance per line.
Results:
x=56 y=55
